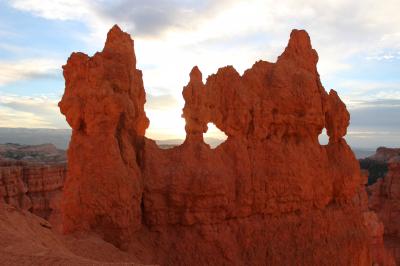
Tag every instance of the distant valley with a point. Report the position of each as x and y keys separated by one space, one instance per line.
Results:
x=60 y=138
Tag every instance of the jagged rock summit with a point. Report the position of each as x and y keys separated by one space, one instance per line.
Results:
x=269 y=195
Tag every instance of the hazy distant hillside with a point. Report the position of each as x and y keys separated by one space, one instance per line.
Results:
x=61 y=137
x=36 y=136
x=363 y=153
x=213 y=142
x=44 y=153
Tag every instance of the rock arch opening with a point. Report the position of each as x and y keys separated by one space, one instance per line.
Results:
x=214 y=136
x=323 y=138
x=167 y=127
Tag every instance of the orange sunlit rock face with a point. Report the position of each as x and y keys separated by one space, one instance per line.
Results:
x=270 y=194
x=103 y=103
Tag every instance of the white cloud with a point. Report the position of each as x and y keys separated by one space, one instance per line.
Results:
x=28 y=68
x=171 y=37
x=27 y=111
x=58 y=9
x=177 y=32
x=11 y=48
x=356 y=93
x=75 y=10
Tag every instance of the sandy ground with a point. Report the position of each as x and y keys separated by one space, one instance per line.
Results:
x=26 y=239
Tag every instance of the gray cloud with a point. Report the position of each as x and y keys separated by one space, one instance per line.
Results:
x=375 y=123
x=31 y=107
x=387 y=103
x=339 y=30
x=51 y=74
x=371 y=140
x=30 y=112
x=383 y=114
x=151 y=17
x=36 y=68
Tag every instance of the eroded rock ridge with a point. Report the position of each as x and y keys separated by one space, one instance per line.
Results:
x=270 y=194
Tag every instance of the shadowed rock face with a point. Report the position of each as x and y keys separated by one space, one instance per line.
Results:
x=270 y=194
x=385 y=197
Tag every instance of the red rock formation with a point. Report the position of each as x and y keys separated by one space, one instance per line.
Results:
x=384 y=199
x=12 y=187
x=103 y=103
x=45 y=184
x=384 y=154
x=270 y=194
x=380 y=253
x=33 y=187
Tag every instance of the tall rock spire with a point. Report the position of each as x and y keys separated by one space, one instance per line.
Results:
x=104 y=104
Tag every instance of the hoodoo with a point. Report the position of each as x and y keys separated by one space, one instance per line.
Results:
x=104 y=105
x=269 y=195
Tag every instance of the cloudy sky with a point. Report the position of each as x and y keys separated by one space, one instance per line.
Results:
x=358 y=44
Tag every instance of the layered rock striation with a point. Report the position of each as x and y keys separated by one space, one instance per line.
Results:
x=270 y=194
x=32 y=186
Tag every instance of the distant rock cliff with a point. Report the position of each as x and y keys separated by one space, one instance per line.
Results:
x=384 y=197
x=377 y=164
x=42 y=154
x=32 y=177
x=36 y=136
x=269 y=195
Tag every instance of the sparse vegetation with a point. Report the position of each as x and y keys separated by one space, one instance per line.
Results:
x=376 y=169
